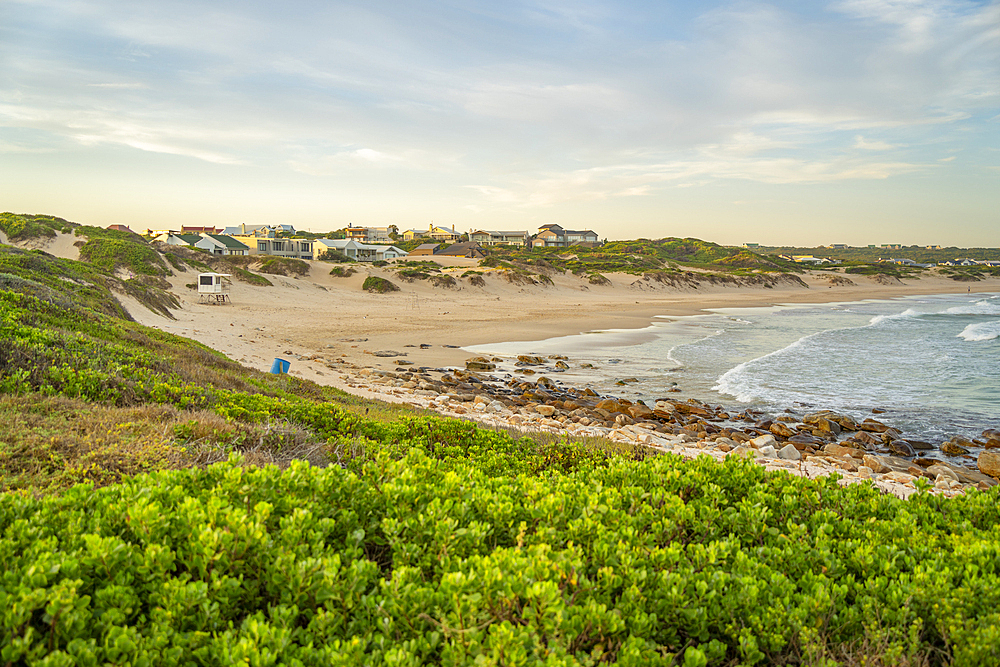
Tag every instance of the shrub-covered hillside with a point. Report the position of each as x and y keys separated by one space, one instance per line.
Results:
x=415 y=539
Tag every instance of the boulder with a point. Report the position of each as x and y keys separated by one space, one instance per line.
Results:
x=610 y=405
x=901 y=448
x=842 y=451
x=545 y=410
x=545 y=382
x=819 y=421
x=872 y=426
x=529 y=359
x=640 y=411
x=952 y=448
x=789 y=452
x=763 y=441
x=480 y=364
x=939 y=469
x=989 y=463
x=782 y=430
x=767 y=451
x=866 y=439
x=562 y=365
x=876 y=463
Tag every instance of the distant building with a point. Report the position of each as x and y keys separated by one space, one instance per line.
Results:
x=198 y=229
x=487 y=237
x=892 y=246
x=425 y=249
x=120 y=228
x=433 y=232
x=265 y=231
x=469 y=249
x=360 y=252
x=933 y=247
x=369 y=234
x=295 y=248
x=751 y=246
x=552 y=235
x=838 y=246
x=219 y=244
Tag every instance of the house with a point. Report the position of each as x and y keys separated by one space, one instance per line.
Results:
x=295 y=248
x=433 y=232
x=809 y=259
x=468 y=249
x=372 y=235
x=173 y=238
x=359 y=252
x=426 y=249
x=751 y=246
x=219 y=244
x=120 y=228
x=489 y=237
x=838 y=246
x=198 y=229
x=552 y=235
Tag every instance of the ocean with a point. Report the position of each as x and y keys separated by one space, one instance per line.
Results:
x=932 y=363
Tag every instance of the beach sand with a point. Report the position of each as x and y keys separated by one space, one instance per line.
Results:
x=335 y=321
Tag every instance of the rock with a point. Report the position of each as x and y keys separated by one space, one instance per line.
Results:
x=901 y=448
x=805 y=439
x=989 y=463
x=900 y=477
x=480 y=364
x=864 y=472
x=640 y=411
x=876 y=463
x=610 y=405
x=562 y=365
x=992 y=443
x=495 y=406
x=789 y=453
x=872 y=426
x=763 y=441
x=866 y=439
x=780 y=429
x=545 y=410
x=767 y=451
x=919 y=444
x=952 y=448
x=941 y=470
x=545 y=382
x=742 y=452
x=848 y=465
x=834 y=449
x=819 y=421
x=529 y=359
x=389 y=353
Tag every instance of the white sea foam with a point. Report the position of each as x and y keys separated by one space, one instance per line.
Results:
x=984 y=307
x=906 y=314
x=981 y=331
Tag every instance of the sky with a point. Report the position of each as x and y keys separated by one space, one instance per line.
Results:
x=781 y=123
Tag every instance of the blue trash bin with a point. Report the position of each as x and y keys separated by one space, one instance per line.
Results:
x=280 y=366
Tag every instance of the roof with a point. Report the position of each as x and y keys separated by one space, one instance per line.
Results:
x=190 y=239
x=466 y=249
x=495 y=232
x=228 y=241
x=427 y=246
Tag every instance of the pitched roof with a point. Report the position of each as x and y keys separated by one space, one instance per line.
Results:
x=228 y=241
x=190 y=239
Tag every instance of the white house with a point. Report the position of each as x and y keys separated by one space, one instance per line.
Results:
x=491 y=237
x=219 y=244
x=360 y=252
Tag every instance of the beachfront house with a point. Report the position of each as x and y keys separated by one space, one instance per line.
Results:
x=173 y=238
x=490 y=237
x=554 y=236
x=359 y=252
x=425 y=249
x=468 y=249
x=432 y=232
x=369 y=235
x=220 y=244
x=294 y=248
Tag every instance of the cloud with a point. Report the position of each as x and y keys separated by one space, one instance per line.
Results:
x=862 y=144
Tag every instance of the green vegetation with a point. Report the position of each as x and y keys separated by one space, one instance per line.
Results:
x=378 y=285
x=334 y=256
x=636 y=257
x=342 y=271
x=25 y=227
x=139 y=525
x=284 y=266
x=920 y=254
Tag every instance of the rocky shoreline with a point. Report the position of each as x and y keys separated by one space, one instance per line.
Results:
x=811 y=444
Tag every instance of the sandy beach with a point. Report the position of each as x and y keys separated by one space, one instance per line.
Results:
x=321 y=319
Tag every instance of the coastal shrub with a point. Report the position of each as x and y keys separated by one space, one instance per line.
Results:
x=378 y=285
x=409 y=275
x=342 y=272
x=111 y=253
x=650 y=561
x=250 y=278
x=334 y=256
x=598 y=279
x=380 y=263
x=477 y=281
x=284 y=266
x=444 y=281
x=26 y=227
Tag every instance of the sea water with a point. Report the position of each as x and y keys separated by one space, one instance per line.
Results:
x=932 y=363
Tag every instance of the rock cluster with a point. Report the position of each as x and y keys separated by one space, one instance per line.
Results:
x=823 y=441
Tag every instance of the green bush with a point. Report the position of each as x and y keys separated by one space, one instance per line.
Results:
x=334 y=256
x=342 y=272
x=284 y=266
x=378 y=285
x=25 y=227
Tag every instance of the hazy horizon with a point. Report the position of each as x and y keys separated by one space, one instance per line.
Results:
x=855 y=121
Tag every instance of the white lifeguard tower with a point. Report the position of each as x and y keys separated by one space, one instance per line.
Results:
x=214 y=287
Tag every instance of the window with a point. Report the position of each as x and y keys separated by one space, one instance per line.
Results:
x=204 y=280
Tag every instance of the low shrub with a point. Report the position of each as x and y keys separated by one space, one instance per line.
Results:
x=334 y=256
x=342 y=271
x=284 y=266
x=378 y=285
